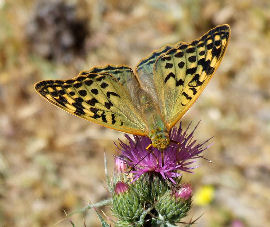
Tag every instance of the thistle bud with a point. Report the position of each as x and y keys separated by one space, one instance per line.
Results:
x=120 y=188
x=120 y=165
x=174 y=205
x=126 y=203
x=185 y=192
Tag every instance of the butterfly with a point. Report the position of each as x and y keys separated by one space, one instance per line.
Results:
x=149 y=101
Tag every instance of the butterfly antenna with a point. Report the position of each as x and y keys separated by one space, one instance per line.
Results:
x=148 y=149
x=200 y=156
x=140 y=160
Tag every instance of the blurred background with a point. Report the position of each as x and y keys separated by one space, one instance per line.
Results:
x=51 y=162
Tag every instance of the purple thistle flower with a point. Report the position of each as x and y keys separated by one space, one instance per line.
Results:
x=178 y=156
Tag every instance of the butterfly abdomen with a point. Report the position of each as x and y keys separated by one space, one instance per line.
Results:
x=157 y=130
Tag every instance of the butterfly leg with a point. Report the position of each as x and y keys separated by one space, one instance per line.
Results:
x=148 y=147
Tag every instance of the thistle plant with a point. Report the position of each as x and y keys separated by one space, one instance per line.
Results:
x=147 y=187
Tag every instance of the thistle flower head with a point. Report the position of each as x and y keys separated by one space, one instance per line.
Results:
x=178 y=156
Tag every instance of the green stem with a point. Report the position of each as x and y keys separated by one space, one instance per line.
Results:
x=90 y=206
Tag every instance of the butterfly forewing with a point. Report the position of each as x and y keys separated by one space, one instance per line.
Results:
x=181 y=74
x=97 y=97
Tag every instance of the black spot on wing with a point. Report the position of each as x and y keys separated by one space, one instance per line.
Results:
x=202 y=53
x=179 y=54
x=192 y=59
x=113 y=119
x=61 y=92
x=209 y=46
x=66 y=86
x=169 y=76
x=103 y=117
x=84 y=73
x=92 y=102
x=202 y=44
x=194 y=90
x=77 y=85
x=78 y=105
x=216 y=52
x=108 y=105
x=197 y=81
x=104 y=85
x=69 y=81
x=59 y=82
x=89 y=82
x=61 y=100
x=79 y=112
x=78 y=100
x=205 y=64
x=168 y=65
x=94 y=91
x=94 y=110
x=171 y=51
x=187 y=96
x=190 y=50
x=100 y=78
x=195 y=42
x=217 y=42
x=183 y=46
x=54 y=93
x=210 y=70
x=109 y=93
x=181 y=64
x=179 y=82
x=166 y=58
x=82 y=92
x=191 y=70
x=80 y=78
x=223 y=27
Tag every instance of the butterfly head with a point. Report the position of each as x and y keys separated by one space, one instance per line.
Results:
x=160 y=140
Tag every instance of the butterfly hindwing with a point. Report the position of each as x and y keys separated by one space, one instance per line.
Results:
x=181 y=74
x=144 y=71
x=120 y=72
x=97 y=97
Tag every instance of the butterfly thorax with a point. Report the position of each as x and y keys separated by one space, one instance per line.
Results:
x=160 y=139
x=157 y=130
